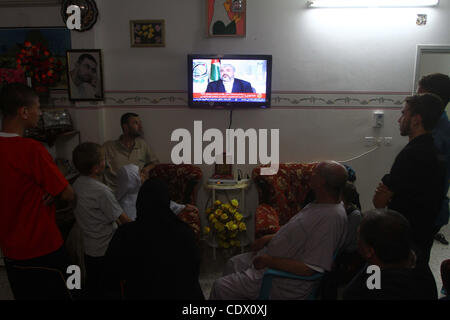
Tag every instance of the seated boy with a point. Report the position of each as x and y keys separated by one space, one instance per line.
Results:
x=96 y=211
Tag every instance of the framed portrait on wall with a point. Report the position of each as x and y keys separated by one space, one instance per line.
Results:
x=85 y=74
x=226 y=18
x=147 y=33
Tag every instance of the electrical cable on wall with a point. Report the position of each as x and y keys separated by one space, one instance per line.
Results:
x=231 y=118
x=361 y=155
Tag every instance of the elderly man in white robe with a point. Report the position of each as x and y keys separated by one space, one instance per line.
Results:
x=305 y=245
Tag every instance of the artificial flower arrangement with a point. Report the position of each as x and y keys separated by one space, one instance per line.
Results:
x=225 y=222
x=146 y=32
x=11 y=76
x=38 y=63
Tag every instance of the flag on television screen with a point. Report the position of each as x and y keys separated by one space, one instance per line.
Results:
x=215 y=70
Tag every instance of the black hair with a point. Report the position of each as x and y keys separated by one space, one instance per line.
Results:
x=85 y=156
x=428 y=106
x=388 y=233
x=124 y=118
x=86 y=56
x=14 y=96
x=438 y=84
x=349 y=194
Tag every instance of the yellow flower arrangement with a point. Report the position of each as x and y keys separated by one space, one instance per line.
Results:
x=225 y=222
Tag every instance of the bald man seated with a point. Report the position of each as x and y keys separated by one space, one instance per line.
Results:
x=310 y=239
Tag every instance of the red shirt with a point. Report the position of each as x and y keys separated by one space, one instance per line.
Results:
x=27 y=172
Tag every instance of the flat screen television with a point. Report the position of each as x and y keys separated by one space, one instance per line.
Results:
x=229 y=81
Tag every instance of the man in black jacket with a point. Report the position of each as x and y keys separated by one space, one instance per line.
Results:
x=415 y=185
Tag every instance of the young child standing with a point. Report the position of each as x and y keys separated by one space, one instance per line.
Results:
x=96 y=212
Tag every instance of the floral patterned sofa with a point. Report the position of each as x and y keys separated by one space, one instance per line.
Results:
x=284 y=194
x=281 y=196
x=182 y=181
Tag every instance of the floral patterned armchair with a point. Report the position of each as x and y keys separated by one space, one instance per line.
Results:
x=281 y=196
x=182 y=181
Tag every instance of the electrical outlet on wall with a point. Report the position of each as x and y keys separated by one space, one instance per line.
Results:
x=370 y=141
x=388 y=141
x=378 y=119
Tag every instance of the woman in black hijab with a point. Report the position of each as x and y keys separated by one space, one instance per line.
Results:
x=156 y=256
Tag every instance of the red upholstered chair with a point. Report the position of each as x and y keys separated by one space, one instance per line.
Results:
x=182 y=181
x=281 y=196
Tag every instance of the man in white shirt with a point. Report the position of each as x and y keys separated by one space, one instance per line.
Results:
x=305 y=245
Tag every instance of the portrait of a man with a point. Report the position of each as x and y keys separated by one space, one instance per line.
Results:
x=228 y=83
x=84 y=74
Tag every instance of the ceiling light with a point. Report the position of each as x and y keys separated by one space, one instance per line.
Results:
x=371 y=3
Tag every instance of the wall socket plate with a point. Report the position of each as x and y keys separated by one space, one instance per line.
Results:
x=378 y=119
x=370 y=141
x=388 y=141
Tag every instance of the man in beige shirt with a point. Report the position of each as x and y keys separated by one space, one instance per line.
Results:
x=129 y=148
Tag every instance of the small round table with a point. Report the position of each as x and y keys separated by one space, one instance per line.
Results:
x=241 y=185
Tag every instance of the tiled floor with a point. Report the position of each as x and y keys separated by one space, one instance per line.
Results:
x=212 y=269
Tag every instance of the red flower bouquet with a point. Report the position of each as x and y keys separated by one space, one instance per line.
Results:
x=11 y=76
x=38 y=63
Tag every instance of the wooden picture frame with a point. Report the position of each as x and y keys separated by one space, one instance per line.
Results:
x=226 y=18
x=85 y=74
x=147 y=33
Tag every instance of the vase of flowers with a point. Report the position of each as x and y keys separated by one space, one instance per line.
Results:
x=225 y=224
x=39 y=65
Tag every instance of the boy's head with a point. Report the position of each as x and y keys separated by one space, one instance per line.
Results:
x=89 y=158
x=19 y=100
x=384 y=237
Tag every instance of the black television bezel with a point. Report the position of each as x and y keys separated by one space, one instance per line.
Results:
x=230 y=105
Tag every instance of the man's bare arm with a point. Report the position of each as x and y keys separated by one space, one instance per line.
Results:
x=258 y=244
x=284 y=264
x=68 y=195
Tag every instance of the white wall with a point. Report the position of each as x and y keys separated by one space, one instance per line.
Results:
x=326 y=53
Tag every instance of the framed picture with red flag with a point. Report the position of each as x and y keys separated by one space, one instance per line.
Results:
x=226 y=18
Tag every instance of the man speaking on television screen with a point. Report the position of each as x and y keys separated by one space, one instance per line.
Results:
x=228 y=83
